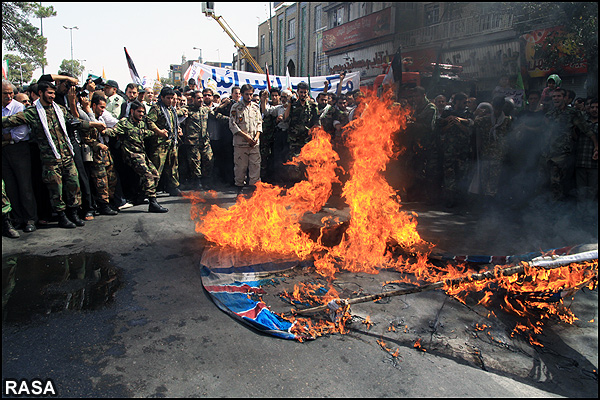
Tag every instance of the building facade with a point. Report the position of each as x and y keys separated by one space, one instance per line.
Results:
x=321 y=38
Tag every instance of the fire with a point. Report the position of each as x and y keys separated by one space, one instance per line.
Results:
x=269 y=223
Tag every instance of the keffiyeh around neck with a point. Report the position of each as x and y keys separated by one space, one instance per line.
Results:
x=61 y=120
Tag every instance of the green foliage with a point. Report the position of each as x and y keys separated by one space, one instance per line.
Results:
x=18 y=65
x=19 y=35
x=74 y=67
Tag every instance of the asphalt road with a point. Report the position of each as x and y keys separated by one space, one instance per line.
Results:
x=163 y=336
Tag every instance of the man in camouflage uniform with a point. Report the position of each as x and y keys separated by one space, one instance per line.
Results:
x=334 y=118
x=197 y=142
x=102 y=171
x=420 y=131
x=303 y=115
x=245 y=122
x=162 y=118
x=58 y=168
x=560 y=154
x=267 y=139
x=456 y=143
x=132 y=131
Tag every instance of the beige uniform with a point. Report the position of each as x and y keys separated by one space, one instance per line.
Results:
x=246 y=158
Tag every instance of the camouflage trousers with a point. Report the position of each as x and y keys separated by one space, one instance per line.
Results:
x=164 y=157
x=200 y=160
x=455 y=174
x=143 y=167
x=6 y=208
x=62 y=180
x=104 y=178
x=267 y=161
x=562 y=169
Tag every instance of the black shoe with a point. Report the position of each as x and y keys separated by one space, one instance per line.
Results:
x=141 y=199
x=175 y=192
x=154 y=207
x=29 y=227
x=104 y=209
x=8 y=229
x=74 y=217
x=65 y=222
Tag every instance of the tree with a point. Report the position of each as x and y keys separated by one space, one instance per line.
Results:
x=19 y=35
x=74 y=67
x=19 y=69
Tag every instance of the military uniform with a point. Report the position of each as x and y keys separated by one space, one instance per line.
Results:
x=162 y=151
x=58 y=173
x=247 y=118
x=103 y=173
x=331 y=114
x=559 y=152
x=492 y=151
x=303 y=116
x=425 y=151
x=267 y=143
x=456 y=154
x=197 y=141
x=132 y=136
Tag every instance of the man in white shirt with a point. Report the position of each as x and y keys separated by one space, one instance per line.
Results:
x=16 y=164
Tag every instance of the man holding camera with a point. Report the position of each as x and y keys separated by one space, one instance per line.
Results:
x=48 y=123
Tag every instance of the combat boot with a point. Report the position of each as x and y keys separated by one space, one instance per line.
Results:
x=197 y=185
x=105 y=209
x=8 y=229
x=65 y=222
x=154 y=207
x=73 y=216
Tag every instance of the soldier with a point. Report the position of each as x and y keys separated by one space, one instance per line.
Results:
x=456 y=141
x=132 y=131
x=420 y=130
x=197 y=142
x=267 y=140
x=245 y=122
x=303 y=115
x=560 y=155
x=162 y=150
x=334 y=118
x=48 y=123
x=114 y=101
x=102 y=171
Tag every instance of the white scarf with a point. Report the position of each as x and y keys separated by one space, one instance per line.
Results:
x=61 y=119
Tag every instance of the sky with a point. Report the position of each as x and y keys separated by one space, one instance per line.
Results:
x=156 y=34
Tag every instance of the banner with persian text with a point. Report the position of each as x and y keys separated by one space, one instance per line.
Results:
x=222 y=80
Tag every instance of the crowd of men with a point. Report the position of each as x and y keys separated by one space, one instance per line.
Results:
x=73 y=152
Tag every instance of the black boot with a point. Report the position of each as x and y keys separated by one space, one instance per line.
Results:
x=8 y=229
x=174 y=191
x=105 y=209
x=155 y=207
x=65 y=222
x=74 y=217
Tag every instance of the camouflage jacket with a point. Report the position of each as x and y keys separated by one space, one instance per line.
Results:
x=156 y=120
x=196 y=126
x=30 y=117
x=562 y=124
x=131 y=134
x=303 y=116
x=330 y=115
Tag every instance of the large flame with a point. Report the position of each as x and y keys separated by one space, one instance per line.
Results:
x=269 y=223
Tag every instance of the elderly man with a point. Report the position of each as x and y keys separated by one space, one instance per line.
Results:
x=16 y=163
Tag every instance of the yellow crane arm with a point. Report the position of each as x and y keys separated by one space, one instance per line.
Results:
x=238 y=43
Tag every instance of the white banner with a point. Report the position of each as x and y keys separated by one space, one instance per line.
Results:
x=225 y=79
